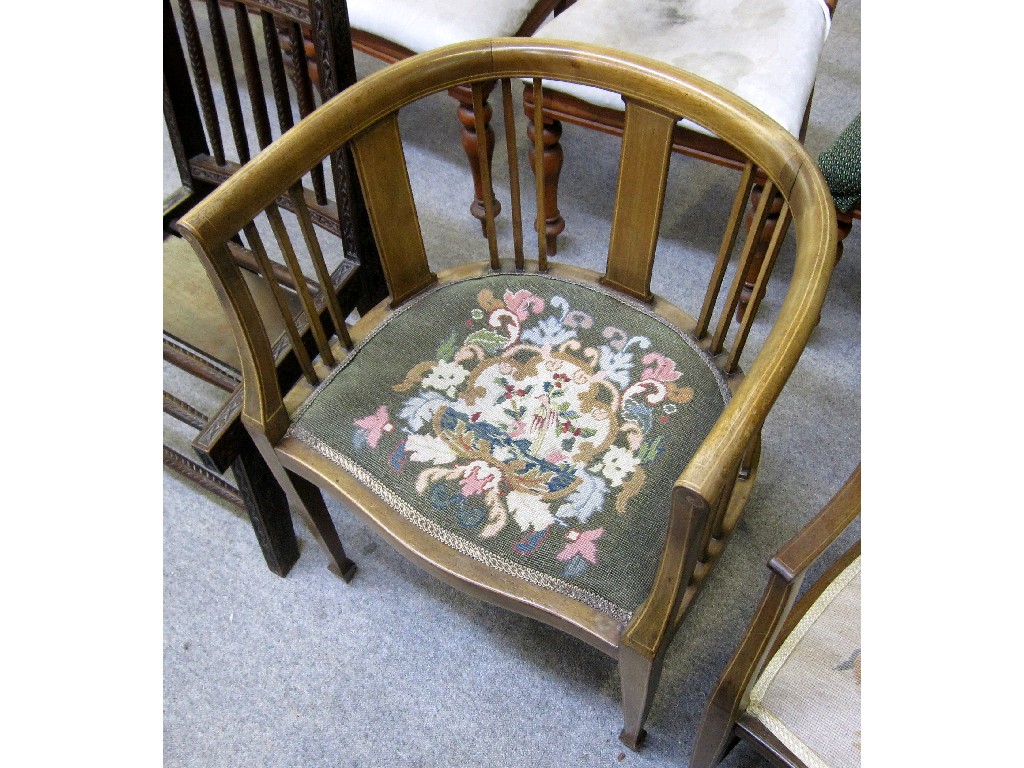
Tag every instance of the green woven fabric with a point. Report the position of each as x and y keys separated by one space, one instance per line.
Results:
x=840 y=165
x=535 y=424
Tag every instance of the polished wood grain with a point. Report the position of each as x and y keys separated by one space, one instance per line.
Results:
x=710 y=491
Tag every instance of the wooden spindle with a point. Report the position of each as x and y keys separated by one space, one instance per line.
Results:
x=485 y=173
x=229 y=85
x=253 y=78
x=270 y=275
x=760 y=286
x=319 y=265
x=725 y=251
x=278 y=76
x=725 y=319
x=308 y=304
x=202 y=75
x=304 y=96
x=513 y=173
x=538 y=173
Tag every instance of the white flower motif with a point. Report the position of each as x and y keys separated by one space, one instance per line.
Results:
x=529 y=511
x=445 y=377
x=617 y=463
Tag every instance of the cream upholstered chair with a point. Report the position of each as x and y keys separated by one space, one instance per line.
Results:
x=560 y=442
x=394 y=30
x=765 y=51
x=792 y=688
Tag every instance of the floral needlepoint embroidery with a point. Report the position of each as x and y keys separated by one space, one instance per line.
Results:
x=534 y=424
x=372 y=427
x=581 y=543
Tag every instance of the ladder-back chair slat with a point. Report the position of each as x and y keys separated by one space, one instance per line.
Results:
x=732 y=230
x=304 y=97
x=308 y=304
x=270 y=274
x=760 y=286
x=639 y=199
x=384 y=178
x=253 y=77
x=538 y=173
x=319 y=265
x=229 y=84
x=513 y=173
x=278 y=75
x=485 y=173
x=197 y=58
x=749 y=245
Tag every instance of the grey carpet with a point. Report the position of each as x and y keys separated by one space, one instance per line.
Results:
x=397 y=669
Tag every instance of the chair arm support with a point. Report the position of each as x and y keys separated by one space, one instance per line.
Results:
x=653 y=620
x=816 y=536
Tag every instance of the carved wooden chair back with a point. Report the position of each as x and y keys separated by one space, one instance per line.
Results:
x=224 y=76
x=540 y=453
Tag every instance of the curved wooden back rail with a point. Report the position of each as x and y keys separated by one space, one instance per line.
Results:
x=711 y=490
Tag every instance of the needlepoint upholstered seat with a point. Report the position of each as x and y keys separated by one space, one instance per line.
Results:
x=560 y=442
x=536 y=424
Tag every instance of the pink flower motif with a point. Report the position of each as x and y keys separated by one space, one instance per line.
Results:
x=517 y=429
x=522 y=302
x=617 y=337
x=581 y=543
x=477 y=478
x=556 y=456
x=663 y=369
x=375 y=425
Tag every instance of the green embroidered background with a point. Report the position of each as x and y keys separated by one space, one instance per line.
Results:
x=535 y=424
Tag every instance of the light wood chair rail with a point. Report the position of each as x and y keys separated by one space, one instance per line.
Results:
x=725 y=720
x=710 y=491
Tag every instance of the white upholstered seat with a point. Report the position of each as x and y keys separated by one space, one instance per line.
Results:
x=420 y=25
x=765 y=51
x=809 y=693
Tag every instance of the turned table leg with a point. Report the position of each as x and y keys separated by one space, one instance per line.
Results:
x=552 y=168
x=471 y=146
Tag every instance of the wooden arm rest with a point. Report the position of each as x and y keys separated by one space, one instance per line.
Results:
x=824 y=528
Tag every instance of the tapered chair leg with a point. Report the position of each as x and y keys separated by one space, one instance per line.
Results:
x=267 y=506
x=714 y=739
x=310 y=504
x=307 y=500
x=639 y=676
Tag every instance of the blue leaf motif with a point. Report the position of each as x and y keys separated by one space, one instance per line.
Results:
x=640 y=413
x=585 y=500
x=549 y=331
x=617 y=366
x=419 y=410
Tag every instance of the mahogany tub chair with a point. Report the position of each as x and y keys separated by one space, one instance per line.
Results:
x=792 y=688
x=559 y=442
x=765 y=52
x=397 y=29
x=199 y=92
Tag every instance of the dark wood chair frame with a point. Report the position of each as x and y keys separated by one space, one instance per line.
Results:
x=709 y=495
x=193 y=126
x=724 y=722
x=562 y=108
